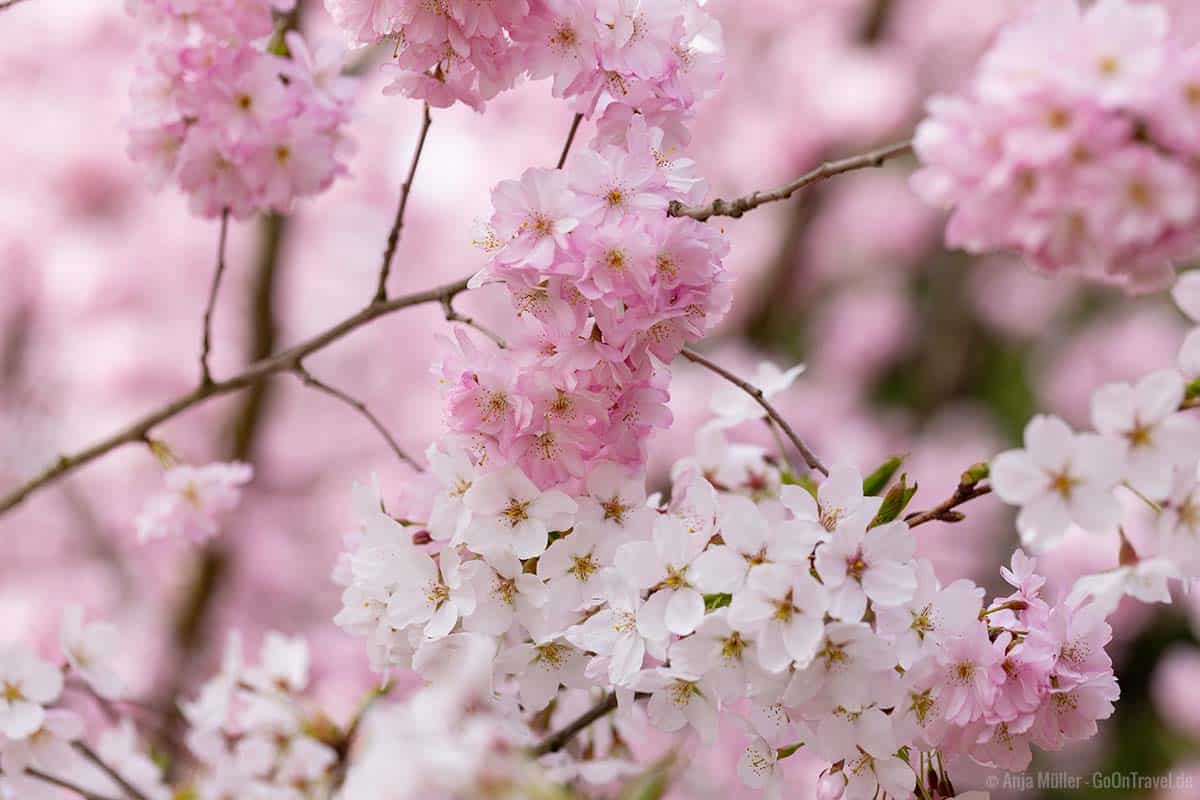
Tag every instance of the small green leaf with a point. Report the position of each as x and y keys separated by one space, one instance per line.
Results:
x=975 y=473
x=895 y=501
x=784 y=752
x=714 y=601
x=877 y=481
x=1193 y=390
x=805 y=482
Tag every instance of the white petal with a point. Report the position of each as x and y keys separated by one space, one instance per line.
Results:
x=684 y=611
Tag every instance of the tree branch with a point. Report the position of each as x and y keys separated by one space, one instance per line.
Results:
x=287 y=360
x=91 y=755
x=968 y=489
x=739 y=206
x=398 y=223
x=558 y=740
x=50 y=779
x=566 y=151
x=218 y=273
x=6 y=4
x=809 y=457
x=453 y=316
x=309 y=380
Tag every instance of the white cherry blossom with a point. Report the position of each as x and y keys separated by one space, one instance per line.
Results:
x=783 y=610
x=452 y=466
x=857 y=565
x=734 y=406
x=504 y=592
x=511 y=513
x=1157 y=436
x=541 y=667
x=1060 y=478
x=435 y=595
x=89 y=649
x=27 y=686
x=678 y=700
x=839 y=501
x=932 y=613
x=613 y=634
x=571 y=567
x=663 y=565
x=615 y=502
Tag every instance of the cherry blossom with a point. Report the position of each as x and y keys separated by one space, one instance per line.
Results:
x=193 y=502
x=1060 y=478
x=89 y=649
x=29 y=684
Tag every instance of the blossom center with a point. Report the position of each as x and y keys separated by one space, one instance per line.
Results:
x=583 y=567
x=551 y=655
x=614 y=510
x=517 y=511
x=963 y=673
x=12 y=692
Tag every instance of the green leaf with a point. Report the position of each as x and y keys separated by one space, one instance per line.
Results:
x=714 y=601
x=805 y=482
x=1193 y=390
x=895 y=501
x=877 y=481
x=975 y=473
x=784 y=752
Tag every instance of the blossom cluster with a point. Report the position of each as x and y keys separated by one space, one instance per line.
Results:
x=249 y=731
x=1144 y=452
x=242 y=118
x=37 y=728
x=808 y=603
x=193 y=501
x=1075 y=145
x=656 y=56
x=449 y=740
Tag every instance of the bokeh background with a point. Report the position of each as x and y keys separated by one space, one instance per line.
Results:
x=910 y=349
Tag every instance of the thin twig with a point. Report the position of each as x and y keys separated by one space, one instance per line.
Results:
x=61 y=783
x=346 y=742
x=91 y=755
x=739 y=206
x=140 y=429
x=218 y=274
x=309 y=380
x=809 y=457
x=945 y=511
x=453 y=316
x=398 y=223
x=558 y=740
x=6 y=4
x=566 y=151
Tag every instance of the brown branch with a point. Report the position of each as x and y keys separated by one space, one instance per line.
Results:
x=6 y=4
x=91 y=755
x=739 y=206
x=393 y=239
x=809 y=457
x=285 y=361
x=309 y=380
x=566 y=151
x=559 y=739
x=946 y=510
x=218 y=273
x=453 y=316
x=61 y=783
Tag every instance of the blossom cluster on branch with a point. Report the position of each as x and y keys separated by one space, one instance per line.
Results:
x=658 y=57
x=1075 y=145
x=244 y=118
x=555 y=607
